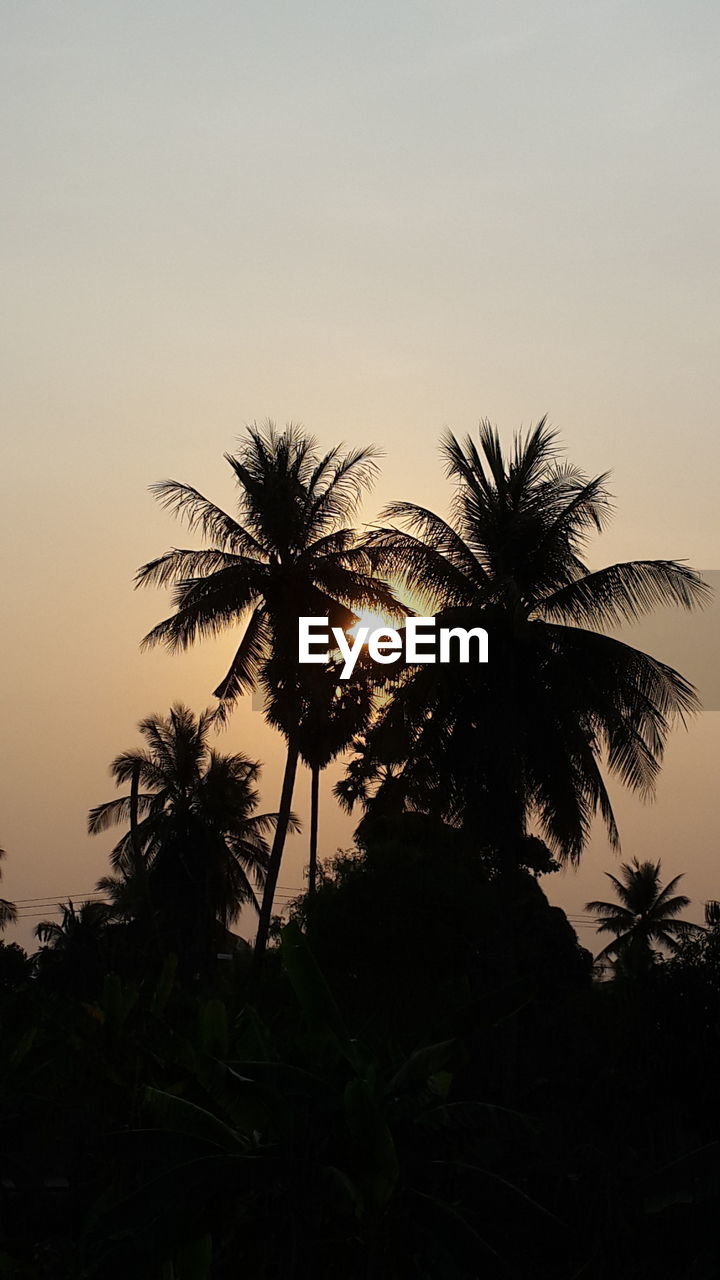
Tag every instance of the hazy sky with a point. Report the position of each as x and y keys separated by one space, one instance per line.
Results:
x=380 y=220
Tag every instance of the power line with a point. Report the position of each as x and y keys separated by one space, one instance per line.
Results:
x=94 y=893
x=52 y=904
x=28 y=902
x=62 y=898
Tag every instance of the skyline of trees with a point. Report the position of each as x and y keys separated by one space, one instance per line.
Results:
x=559 y=695
x=426 y=1076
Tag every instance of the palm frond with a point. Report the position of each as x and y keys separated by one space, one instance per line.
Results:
x=199 y=513
x=626 y=592
x=113 y=812
x=612 y=910
x=204 y=608
x=180 y=564
x=8 y=913
x=438 y=534
x=351 y=477
x=419 y=568
x=244 y=671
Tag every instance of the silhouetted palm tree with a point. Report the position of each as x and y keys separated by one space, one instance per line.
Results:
x=489 y=746
x=198 y=840
x=334 y=712
x=645 y=913
x=75 y=949
x=381 y=786
x=77 y=929
x=8 y=910
x=289 y=554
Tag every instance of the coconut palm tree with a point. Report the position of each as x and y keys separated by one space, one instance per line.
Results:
x=492 y=746
x=8 y=910
x=77 y=929
x=197 y=848
x=289 y=553
x=645 y=913
x=75 y=951
x=335 y=712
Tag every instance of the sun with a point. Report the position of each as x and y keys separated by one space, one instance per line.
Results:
x=373 y=621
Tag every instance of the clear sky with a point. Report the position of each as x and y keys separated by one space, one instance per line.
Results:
x=379 y=220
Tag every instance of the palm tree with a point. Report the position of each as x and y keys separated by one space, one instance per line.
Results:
x=490 y=747
x=197 y=848
x=8 y=910
x=645 y=913
x=78 y=930
x=290 y=553
x=334 y=713
x=77 y=948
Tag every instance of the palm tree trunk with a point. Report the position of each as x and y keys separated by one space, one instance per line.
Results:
x=140 y=870
x=314 y=816
x=512 y=814
x=278 y=845
x=134 y=838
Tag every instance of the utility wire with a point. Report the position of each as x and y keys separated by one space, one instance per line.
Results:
x=89 y=893
x=41 y=907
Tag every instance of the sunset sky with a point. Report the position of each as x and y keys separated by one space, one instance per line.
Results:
x=378 y=220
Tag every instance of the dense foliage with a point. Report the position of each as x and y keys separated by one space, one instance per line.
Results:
x=382 y=1102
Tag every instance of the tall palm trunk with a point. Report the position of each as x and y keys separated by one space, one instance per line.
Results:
x=134 y=837
x=314 y=817
x=278 y=845
x=140 y=871
x=510 y=829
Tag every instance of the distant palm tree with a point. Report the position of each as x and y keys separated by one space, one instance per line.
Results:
x=382 y=778
x=335 y=712
x=645 y=913
x=290 y=553
x=75 y=948
x=491 y=746
x=77 y=929
x=198 y=847
x=8 y=910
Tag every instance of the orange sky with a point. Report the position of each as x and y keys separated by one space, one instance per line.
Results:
x=380 y=221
